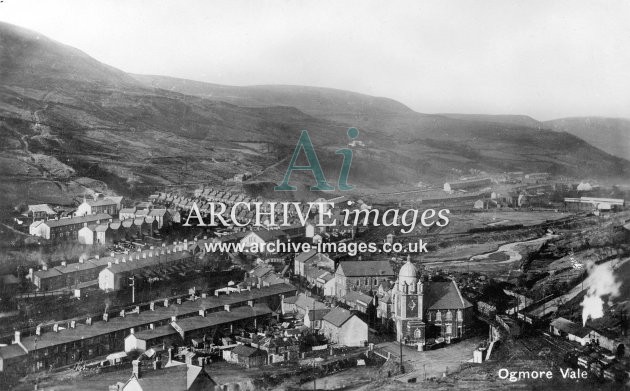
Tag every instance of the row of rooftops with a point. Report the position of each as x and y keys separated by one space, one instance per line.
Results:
x=122 y=262
x=137 y=212
x=73 y=220
x=126 y=321
x=213 y=319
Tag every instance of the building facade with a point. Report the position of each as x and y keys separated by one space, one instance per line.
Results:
x=428 y=310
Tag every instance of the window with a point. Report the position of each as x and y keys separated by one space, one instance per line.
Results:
x=449 y=329
x=449 y=315
x=417 y=333
x=438 y=316
x=460 y=315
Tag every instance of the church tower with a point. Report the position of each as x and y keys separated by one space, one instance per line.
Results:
x=409 y=306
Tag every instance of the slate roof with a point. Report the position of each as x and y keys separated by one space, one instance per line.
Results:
x=356 y=296
x=102 y=228
x=51 y=272
x=308 y=303
x=270 y=235
x=444 y=296
x=157 y=212
x=77 y=220
x=173 y=378
x=318 y=314
x=40 y=208
x=569 y=327
x=12 y=351
x=338 y=316
x=103 y=202
x=366 y=268
x=247 y=351
x=82 y=331
x=303 y=257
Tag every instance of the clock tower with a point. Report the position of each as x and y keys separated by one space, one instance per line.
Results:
x=409 y=306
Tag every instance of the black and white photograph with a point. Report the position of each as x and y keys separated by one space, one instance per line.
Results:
x=294 y=195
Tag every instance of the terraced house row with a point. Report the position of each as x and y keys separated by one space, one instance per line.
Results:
x=108 y=272
x=67 y=342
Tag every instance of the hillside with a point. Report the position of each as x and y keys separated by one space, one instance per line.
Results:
x=608 y=134
x=66 y=118
x=520 y=120
x=337 y=105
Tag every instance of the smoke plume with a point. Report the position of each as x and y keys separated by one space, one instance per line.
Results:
x=601 y=283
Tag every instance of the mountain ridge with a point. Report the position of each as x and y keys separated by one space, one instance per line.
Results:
x=92 y=120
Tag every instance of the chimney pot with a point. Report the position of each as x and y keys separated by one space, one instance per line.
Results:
x=64 y=263
x=88 y=321
x=56 y=327
x=18 y=337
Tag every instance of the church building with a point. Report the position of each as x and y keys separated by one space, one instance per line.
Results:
x=428 y=309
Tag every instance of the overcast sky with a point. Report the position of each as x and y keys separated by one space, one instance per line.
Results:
x=547 y=59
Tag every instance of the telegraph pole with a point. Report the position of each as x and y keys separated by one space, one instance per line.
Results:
x=402 y=368
x=133 y=288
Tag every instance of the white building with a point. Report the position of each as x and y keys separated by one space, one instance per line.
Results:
x=87 y=234
x=90 y=207
x=343 y=328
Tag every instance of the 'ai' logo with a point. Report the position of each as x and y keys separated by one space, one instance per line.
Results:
x=305 y=143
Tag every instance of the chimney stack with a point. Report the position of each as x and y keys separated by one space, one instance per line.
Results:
x=106 y=317
x=136 y=368
x=38 y=330
x=64 y=263
x=73 y=324
x=122 y=313
x=152 y=306
x=45 y=267
x=18 y=337
x=56 y=327
x=165 y=302
x=88 y=321
x=226 y=307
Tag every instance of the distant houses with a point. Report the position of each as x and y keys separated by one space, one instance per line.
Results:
x=361 y=275
x=66 y=228
x=467 y=185
x=98 y=206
